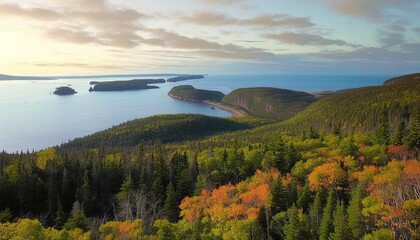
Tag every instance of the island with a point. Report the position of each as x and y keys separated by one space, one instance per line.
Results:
x=185 y=78
x=64 y=91
x=135 y=84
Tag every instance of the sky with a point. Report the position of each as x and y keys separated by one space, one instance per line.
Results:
x=83 y=37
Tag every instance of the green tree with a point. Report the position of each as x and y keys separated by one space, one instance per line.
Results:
x=382 y=134
x=341 y=228
x=77 y=219
x=304 y=197
x=399 y=136
x=315 y=213
x=295 y=226
x=279 y=198
x=326 y=221
x=171 y=209
x=412 y=139
x=60 y=217
x=355 y=212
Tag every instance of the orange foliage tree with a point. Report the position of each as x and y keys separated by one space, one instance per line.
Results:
x=241 y=201
x=327 y=175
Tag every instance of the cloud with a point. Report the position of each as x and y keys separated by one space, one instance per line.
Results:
x=304 y=39
x=207 y=48
x=91 y=21
x=371 y=9
x=264 y=20
x=239 y=3
x=14 y=10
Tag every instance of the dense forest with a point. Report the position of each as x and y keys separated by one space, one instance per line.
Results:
x=169 y=177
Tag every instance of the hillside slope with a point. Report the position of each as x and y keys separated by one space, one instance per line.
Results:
x=266 y=102
x=166 y=128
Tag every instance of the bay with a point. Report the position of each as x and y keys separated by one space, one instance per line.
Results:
x=32 y=118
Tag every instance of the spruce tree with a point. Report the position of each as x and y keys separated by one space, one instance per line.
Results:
x=399 y=136
x=326 y=221
x=278 y=193
x=315 y=213
x=341 y=228
x=61 y=217
x=304 y=197
x=412 y=139
x=171 y=210
x=77 y=219
x=355 y=212
x=382 y=134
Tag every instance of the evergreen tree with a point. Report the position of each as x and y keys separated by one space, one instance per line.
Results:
x=61 y=217
x=171 y=210
x=355 y=212
x=315 y=213
x=291 y=157
x=77 y=219
x=304 y=197
x=341 y=228
x=399 y=136
x=382 y=134
x=412 y=139
x=326 y=221
x=125 y=190
x=279 y=199
x=295 y=227
x=313 y=134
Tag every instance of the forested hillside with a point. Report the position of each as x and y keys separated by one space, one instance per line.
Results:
x=274 y=103
x=197 y=177
x=164 y=128
x=189 y=93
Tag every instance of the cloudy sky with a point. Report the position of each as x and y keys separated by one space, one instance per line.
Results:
x=58 y=37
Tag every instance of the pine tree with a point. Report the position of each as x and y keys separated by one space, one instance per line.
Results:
x=304 y=197
x=125 y=190
x=295 y=227
x=341 y=228
x=278 y=193
x=355 y=213
x=171 y=210
x=326 y=221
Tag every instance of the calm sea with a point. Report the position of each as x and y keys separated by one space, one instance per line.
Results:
x=33 y=118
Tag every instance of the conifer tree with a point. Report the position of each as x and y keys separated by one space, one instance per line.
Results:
x=412 y=139
x=304 y=197
x=355 y=212
x=326 y=221
x=382 y=134
x=61 y=217
x=77 y=219
x=315 y=213
x=341 y=228
x=171 y=210
x=399 y=136
x=278 y=194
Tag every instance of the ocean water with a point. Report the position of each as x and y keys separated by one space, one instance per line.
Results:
x=32 y=118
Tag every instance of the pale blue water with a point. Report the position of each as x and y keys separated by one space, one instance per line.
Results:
x=33 y=118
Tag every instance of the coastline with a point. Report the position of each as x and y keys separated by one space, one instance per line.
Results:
x=235 y=112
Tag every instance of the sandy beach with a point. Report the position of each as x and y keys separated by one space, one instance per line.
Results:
x=235 y=112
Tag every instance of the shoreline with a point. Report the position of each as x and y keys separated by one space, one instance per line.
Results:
x=235 y=112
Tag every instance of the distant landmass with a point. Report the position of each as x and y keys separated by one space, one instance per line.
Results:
x=135 y=84
x=11 y=77
x=121 y=75
x=185 y=78
x=63 y=91
x=189 y=93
